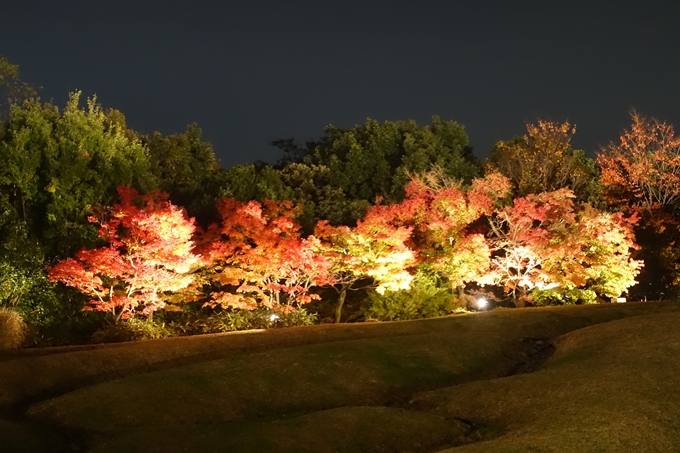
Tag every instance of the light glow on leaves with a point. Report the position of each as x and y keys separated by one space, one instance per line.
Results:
x=545 y=241
x=440 y=214
x=258 y=250
x=149 y=254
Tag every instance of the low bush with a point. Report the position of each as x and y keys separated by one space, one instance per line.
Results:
x=133 y=329
x=564 y=296
x=218 y=321
x=298 y=317
x=428 y=297
x=200 y=321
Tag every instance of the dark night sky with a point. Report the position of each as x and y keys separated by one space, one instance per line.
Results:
x=251 y=71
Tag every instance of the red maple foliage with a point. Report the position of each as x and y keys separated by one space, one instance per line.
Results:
x=258 y=251
x=441 y=215
x=544 y=241
x=149 y=254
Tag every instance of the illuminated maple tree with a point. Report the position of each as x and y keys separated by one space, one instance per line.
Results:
x=441 y=214
x=523 y=236
x=257 y=250
x=643 y=169
x=544 y=242
x=605 y=241
x=375 y=251
x=149 y=254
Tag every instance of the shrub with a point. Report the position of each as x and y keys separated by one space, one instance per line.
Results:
x=13 y=330
x=298 y=317
x=219 y=321
x=133 y=329
x=229 y=320
x=563 y=296
x=428 y=297
x=55 y=313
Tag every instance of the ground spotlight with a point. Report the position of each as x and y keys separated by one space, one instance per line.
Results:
x=482 y=303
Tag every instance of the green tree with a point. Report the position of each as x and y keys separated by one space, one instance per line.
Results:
x=187 y=170
x=56 y=166
x=376 y=160
x=311 y=188
x=14 y=90
x=258 y=181
x=352 y=168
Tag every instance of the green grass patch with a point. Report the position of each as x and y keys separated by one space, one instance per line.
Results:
x=609 y=388
x=349 y=390
x=347 y=429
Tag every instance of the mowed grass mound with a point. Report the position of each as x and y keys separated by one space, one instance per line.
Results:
x=608 y=388
x=372 y=393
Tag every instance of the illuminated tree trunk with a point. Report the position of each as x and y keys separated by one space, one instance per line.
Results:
x=342 y=294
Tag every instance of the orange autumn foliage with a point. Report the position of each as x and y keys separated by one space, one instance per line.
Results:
x=149 y=254
x=643 y=169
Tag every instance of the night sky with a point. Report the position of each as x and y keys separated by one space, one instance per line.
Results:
x=252 y=71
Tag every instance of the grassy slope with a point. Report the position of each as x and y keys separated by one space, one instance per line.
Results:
x=611 y=387
x=273 y=392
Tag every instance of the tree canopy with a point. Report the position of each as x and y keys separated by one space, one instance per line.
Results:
x=379 y=205
x=56 y=166
x=543 y=161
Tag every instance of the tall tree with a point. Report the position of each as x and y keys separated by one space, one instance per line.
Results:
x=14 y=90
x=643 y=169
x=373 y=161
x=55 y=167
x=544 y=161
x=641 y=173
x=311 y=188
x=258 y=181
x=376 y=159
x=186 y=169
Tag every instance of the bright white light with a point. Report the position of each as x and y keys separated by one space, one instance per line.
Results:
x=273 y=317
x=549 y=286
x=482 y=303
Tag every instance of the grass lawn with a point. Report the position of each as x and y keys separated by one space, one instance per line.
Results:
x=418 y=386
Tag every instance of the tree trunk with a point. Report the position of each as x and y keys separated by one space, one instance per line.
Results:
x=462 y=301
x=117 y=316
x=520 y=300
x=338 y=307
